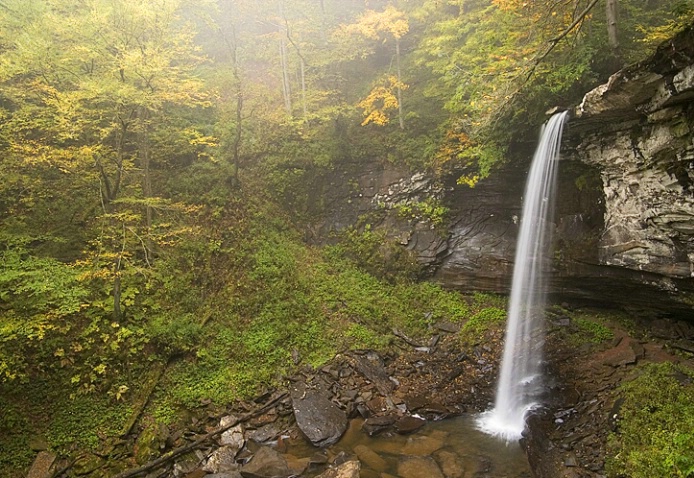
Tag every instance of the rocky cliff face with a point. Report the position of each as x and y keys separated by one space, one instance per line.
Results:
x=638 y=130
x=625 y=212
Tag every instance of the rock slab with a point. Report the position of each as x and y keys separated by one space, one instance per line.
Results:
x=349 y=469
x=317 y=417
x=266 y=463
x=42 y=465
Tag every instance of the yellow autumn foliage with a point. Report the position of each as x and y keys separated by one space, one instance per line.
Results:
x=381 y=101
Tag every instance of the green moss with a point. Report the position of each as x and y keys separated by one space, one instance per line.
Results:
x=655 y=434
x=592 y=331
x=427 y=210
x=366 y=338
x=230 y=315
x=482 y=321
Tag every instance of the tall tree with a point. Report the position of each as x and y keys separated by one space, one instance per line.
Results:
x=100 y=73
x=390 y=23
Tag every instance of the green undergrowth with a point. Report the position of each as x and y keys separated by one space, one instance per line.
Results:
x=233 y=309
x=487 y=312
x=41 y=414
x=591 y=330
x=588 y=327
x=298 y=305
x=655 y=433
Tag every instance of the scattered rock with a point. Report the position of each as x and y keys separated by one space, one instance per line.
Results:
x=451 y=465
x=375 y=425
x=38 y=443
x=622 y=354
x=222 y=460
x=264 y=434
x=234 y=436
x=297 y=466
x=186 y=465
x=447 y=327
x=371 y=367
x=570 y=461
x=422 y=445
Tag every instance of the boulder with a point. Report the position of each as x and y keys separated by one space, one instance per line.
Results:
x=374 y=425
x=317 y=417
x=370 y=458
x=266 y=463
x=222 y=460
x=409 y=424
x=423 y=445
x=348 y=469
x=451 y=465
x=42 y=466
x=418 y=467
x=232 y=437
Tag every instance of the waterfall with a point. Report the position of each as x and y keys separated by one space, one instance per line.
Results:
x=520 y=379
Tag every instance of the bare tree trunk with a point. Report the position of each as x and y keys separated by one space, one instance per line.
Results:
x=611 y=15
x=323 y=23
x=237 y=136
x=401 y=118
x=117 y=287
x=232 y=43
x=286 y=84
x=303 y=87
x=117 y=312
x=147 y=192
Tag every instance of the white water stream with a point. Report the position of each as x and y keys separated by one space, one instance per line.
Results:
x=520 y=379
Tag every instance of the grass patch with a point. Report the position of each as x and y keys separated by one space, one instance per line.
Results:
x=295 y=301
x=364 y=338
x=483 y=319
x=656 y=425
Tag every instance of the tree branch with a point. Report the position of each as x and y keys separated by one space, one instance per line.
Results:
x=555 y=41
x=540 y=57
x=167 y=457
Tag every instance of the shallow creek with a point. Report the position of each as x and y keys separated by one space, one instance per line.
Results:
x=447 y=448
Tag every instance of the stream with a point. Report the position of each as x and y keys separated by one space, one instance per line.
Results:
x=446 y=448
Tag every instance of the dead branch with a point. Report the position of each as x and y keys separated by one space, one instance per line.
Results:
x=167 y=457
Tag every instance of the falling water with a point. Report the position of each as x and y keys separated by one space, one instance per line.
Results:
x=520 y=380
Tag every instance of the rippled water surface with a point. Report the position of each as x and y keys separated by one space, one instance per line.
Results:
x=453 y=445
